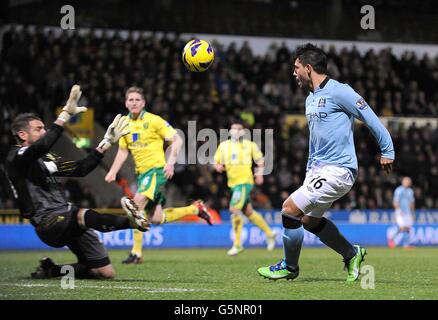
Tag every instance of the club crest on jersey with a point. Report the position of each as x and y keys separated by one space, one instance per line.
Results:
x=321 y=102
x=361 y=104
x=145 y=125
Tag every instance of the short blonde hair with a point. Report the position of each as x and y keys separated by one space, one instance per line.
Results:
x=136 y=90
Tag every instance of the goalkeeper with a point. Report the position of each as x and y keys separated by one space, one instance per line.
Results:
x=32 y=171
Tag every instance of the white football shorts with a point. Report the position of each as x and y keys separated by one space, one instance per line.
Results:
x=404 y=219
x=323 y=185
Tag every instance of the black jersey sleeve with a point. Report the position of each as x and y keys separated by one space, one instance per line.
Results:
x=80 y=168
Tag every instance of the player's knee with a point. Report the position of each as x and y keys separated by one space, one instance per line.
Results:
x=156 y=215
x=234 y=210
x=248 y=210
x=139 y=197
x=247 y=213
x=290 y=208
x=140 y=200
x=155 y=220
x=107 y=272
x=286 y=206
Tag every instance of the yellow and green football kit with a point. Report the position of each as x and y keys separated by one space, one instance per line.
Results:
x=145 y=143
x=237 y=157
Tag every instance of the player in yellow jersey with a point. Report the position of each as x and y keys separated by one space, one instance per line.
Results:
x=235 y=156
x=145 y=144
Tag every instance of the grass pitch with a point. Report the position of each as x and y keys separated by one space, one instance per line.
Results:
x=209 y=274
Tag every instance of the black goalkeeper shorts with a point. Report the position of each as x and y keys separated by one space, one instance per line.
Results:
x=62 y=229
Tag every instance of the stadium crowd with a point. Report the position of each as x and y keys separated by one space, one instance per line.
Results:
x=37 y=69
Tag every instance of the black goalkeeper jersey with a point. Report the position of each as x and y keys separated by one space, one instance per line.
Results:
x=33 y=170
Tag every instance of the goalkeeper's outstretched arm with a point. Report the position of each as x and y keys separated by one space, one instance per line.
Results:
x=71 y=107
x=67 y=168
x=81 y=168
x=117 y=129
x=43 y=145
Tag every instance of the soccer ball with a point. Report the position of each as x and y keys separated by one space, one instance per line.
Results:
x=197 y=55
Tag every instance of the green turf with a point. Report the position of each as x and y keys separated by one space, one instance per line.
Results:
x=211 y=274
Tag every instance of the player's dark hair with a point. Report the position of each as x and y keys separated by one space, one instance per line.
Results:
x=21 y=122
x=311 y=54
x=237 y=121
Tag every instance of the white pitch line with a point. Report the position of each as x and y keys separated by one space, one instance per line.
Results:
x=85 y=286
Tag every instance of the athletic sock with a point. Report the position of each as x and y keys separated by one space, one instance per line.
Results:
x=257 y=219
x=105 y=222
x=293 y=235
x=173 y=214
x=406 y=239
x=329 y=234
x=398 y=238
x=237 y=226
x=137 y=247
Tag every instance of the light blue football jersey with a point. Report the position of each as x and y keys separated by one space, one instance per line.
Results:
x=330 y=113
x=404 y=197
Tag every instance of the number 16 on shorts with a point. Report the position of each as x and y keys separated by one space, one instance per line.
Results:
x=322 y=186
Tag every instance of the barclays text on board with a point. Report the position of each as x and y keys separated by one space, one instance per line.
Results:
x=187 y=235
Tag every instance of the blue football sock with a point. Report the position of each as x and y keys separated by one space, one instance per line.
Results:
x=406 y=239
x=292 y=242
x=398 y=238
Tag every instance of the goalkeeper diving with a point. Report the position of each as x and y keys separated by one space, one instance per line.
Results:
x=33 y=172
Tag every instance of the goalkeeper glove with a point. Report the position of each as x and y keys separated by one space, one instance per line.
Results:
x=71 y=108
x=116 y=130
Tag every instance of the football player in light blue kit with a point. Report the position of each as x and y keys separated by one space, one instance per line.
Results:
x=404 y=205
x=331 y=108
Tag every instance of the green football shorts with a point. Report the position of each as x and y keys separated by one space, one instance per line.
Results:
x=240 y=196
x=151 y=184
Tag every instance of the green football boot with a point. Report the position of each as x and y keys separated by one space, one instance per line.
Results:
x=278 y=271
x=353 y=265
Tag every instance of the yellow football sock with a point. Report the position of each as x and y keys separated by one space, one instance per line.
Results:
x=258 y=220
x=237 y=225
x=173 y=214
x=138 y=243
